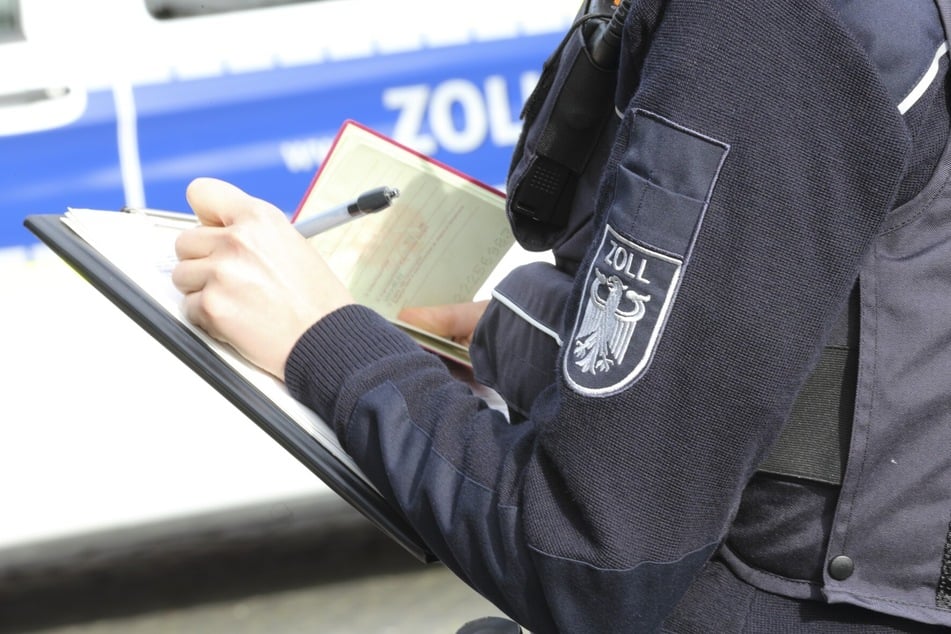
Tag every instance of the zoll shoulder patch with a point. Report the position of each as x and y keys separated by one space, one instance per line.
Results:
x=663 y=184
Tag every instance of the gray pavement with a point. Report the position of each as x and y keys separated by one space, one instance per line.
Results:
x=336 y=575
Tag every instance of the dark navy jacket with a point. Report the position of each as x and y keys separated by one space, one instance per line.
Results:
x=745 y=178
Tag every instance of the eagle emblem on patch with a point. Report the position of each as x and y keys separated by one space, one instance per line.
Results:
x=628 y=292
x=607 y=326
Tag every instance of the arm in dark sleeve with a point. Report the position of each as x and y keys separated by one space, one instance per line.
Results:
x=596 y=513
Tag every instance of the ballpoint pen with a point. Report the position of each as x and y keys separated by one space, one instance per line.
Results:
x=368 y=202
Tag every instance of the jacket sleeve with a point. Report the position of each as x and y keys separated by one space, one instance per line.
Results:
x=596 y=513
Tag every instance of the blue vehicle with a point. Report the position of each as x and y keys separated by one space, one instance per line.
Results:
x=107 y=103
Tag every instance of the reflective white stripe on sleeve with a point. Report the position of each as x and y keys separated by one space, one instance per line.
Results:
x=926 y=80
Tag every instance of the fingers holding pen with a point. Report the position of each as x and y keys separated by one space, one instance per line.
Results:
x=248 y=277
x=198 y=242
x=214 y=310
x=252 y=232
x=191 y=275
x=229 y=219
x=219 y=203
x=208 y=273
x=202 y=253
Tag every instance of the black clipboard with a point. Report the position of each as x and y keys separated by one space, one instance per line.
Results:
x=196 y=354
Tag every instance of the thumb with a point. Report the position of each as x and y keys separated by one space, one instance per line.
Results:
x=448 y=320
x=218 y=203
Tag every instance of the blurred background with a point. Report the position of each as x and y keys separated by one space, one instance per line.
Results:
x=134 y=498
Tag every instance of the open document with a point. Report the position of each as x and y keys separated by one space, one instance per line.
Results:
x=437 y=244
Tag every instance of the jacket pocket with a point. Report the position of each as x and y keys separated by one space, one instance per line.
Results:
x=662 y=184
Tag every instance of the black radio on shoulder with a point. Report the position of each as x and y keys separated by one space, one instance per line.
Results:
x=571 y=133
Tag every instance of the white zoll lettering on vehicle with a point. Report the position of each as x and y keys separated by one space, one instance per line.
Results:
x=261 y=104
x=460 y=114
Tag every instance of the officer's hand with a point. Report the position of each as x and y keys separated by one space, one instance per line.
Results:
x=453 y=321
x=249 y=278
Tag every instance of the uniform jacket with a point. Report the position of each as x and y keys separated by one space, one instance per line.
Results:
x=742 y=182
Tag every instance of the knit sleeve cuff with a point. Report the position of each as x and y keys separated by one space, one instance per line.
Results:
x=345 y=341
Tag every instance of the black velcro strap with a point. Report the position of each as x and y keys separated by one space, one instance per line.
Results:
x=815 y=442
